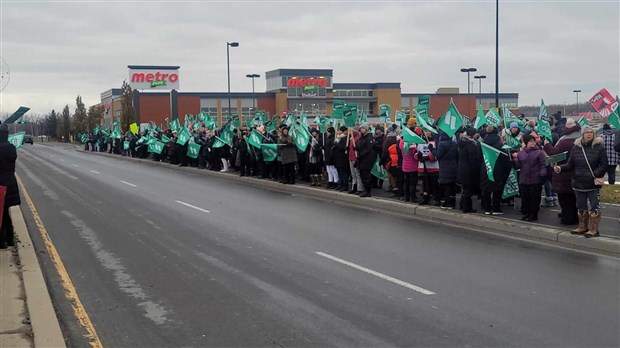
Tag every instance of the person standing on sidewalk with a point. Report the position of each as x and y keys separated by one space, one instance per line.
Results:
x=288 y=152
x=410 y=168
x=366 y=157
x=561 y=182
x=531 y=161
x=492 y=190
x=609 y=140
x=447 y=153
x=356 y=179
x=588 y=161
x=468 y=168
x=8 y=156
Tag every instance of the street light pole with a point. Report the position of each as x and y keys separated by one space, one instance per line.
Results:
x=577 y=96
x=497 y=53
x=479 y=78
x=228 y=45
x=468 y=71
x=252 y=76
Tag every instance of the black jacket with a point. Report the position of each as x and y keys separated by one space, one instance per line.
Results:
x=468 y=169
x=447 y=154
x=502 y=166
x=582 y=179
x=341 y=157
x=366 y=155
x=329 y=149
x=8 y=156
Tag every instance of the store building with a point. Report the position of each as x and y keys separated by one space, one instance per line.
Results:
x=289 y=90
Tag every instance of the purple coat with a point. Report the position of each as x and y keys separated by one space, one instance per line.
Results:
x=531 y=161
x=562 y=182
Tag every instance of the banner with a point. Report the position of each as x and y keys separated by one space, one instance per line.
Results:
x=451 y=120
x=183 y=136
x=255 y=139
x=493 y=117
x=192 y=150
x=385 y=113
x=156 y=147
x=604 y=103
x=301 y=137
x=378 y=170
x=582 y=122
x=134 y=128
x=337 y=110
x=480 y=118
x=174 y=125
x=126 y=145
x=512 y=185
x=270 y=152
x=554 y=159
x=490 y=155
x=410 y=137
x=17 y=139
x=349 y=118
x=400 y=117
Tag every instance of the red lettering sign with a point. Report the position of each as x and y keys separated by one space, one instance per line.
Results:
x=310 y=81
x=141 y=77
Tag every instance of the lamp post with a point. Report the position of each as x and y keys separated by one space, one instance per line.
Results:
x=479 y=78
x=468 y=71
x=253 y=76
x=228 y=45
x=497 y=53
x=577 y=97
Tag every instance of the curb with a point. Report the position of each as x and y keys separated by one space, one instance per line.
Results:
x=45 y=325
x=480 y=223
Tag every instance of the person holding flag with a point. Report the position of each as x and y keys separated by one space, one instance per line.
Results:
x=410 y=165
x=447 y=156
x=366 y=157
x=288 y=155
x=497 y=169
x=356 y=180
x=8 y=156
x=315 y=157
x=341 y=158
x=428 y=169
x=468 y=168
x=332 y=172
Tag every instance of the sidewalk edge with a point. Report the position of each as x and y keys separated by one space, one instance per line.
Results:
x=43 y=319
x=555 y=236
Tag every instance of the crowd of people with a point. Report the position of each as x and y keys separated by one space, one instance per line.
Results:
x=430 y=173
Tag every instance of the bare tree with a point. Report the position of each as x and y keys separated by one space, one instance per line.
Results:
x=127 y=112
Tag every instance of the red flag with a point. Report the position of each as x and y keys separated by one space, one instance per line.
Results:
x=604 y=102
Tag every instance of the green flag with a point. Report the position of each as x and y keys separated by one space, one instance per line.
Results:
x=385 y=113
x=614 y=117
x=423 y=107
x=218 y=143
x=511 y=142
x=512 y=185
x=270 y=152
x=451 y=120
x=255 y=139
x=582 y=121
x=227 y=136
x=125 y=145
x=349 y=117
x=83 y=138
x=410 y=137
x=353 y=107
x=400 y=117
x=165 y=139
x=174 y=125
x=192 y=150
x=480 y=118
x=378 y=170
x=156 y=147
x=493 y=118
x=363 y=117
x=183 y=136
x=490 y=154
x=338 y=109
x=544 y=129
x=542 y=113
x=301 y=137
x=509 y=117
x=17 y=139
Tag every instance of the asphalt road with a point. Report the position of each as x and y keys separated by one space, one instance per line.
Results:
x=160 y=257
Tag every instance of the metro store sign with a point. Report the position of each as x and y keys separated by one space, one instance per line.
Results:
x=154 y=77
x=305 y=82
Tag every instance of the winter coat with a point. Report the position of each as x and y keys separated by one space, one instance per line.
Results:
x=502 y=166
x=366 y=155
x=562 y=182
x=288 y=150
x=389 y=141
x=410 y=163
x=329 y=149
x=339 y=152
x=582 y=179
x=609 y=139
x=427 y=162
x=315 y=155
x=379 y=145
x=352 y=154
x=531 y=161
x=447 y=154
x=8 y=156
x=468 y=168
x=393 y=157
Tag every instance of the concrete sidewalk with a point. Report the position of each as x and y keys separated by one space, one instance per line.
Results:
x=27 y=317
x=553 y=235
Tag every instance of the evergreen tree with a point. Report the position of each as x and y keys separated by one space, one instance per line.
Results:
x=94 y=117
x=51 y=124
x=79 y=117
x=127 y=112
x=65 y=123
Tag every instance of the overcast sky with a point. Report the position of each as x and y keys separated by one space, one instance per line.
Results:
x=57 y=50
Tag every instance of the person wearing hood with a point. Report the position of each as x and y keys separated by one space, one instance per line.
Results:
x=561 y=182
x=447 y=154
x=356 y=179
x=588 y=162
x=315 y=157
x=8 y=156
x=379 y=139
x=492 y=190
x=390 y=140
x=531 y=162
x=468 y=168
x=560 y=122
x=609 y=140
x=393 y=165
x=288 y=154
x=366 y=157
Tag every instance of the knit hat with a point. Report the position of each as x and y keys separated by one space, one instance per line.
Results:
x=527 y=138
x=343 y=128
x=586 y=127
x=605 y=126
x=411 y=122
x=470 y=132
x=391 y=134
x=570 y=122
x=364 y=125
x=514 y=125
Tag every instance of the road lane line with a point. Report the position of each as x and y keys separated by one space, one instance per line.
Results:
x=193 y=206
x=128 y=183
x=377 y=274
x=70 y=293
x=75 y=165
x=94 y=171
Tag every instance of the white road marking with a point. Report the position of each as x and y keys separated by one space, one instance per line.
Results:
x=94 y=171
x=75 y=165
x=377 y=274
x=128 y=183
x=193 y=206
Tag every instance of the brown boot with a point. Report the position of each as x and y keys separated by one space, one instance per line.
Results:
x=595 y=219
x=583 y=222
